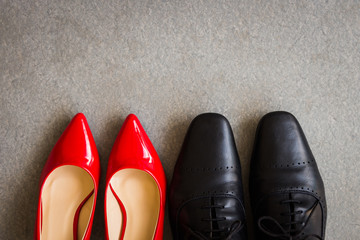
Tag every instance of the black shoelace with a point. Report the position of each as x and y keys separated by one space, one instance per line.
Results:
x=293 y=233
x=235 y=228
x=214 y=232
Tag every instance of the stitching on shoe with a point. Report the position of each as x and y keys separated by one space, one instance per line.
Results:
x=205 y=193
x=203 y=169
x=302 y=189
x=292 y=164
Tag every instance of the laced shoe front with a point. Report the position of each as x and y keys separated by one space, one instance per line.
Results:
x=213 y=220
x=292 y=221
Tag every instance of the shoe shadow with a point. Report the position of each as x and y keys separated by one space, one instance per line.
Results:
x=245 y=139
x=104 y=143
x=21 y=215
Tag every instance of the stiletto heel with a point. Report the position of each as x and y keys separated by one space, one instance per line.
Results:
x=68 y=185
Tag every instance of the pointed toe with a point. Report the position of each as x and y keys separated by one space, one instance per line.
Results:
x=132 y=144
x=76 y=142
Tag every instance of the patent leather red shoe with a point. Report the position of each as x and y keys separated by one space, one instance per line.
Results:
x=135 y=186
x=68 y=185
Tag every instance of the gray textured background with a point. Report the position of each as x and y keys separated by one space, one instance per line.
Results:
x=168 y=61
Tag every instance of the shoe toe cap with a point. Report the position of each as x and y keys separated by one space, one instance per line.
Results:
x=208 y=162
x=282 y=159
x=209 y=143
x=281 y=141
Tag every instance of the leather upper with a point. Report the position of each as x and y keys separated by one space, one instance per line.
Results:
x=286 y=189
x=206 y=197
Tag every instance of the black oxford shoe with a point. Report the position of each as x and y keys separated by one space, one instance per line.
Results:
x=286 y=190
x=206 y=197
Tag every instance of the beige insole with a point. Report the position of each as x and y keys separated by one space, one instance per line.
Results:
x=139 y=196
x=63 y=193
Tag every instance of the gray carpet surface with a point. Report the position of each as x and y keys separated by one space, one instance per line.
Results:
x=168 y=61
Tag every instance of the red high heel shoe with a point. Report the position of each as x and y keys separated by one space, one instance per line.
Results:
x=68 y=185
x=135 y=186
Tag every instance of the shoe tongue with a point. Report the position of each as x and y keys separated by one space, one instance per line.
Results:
x=279 y=207
x=308 y=206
